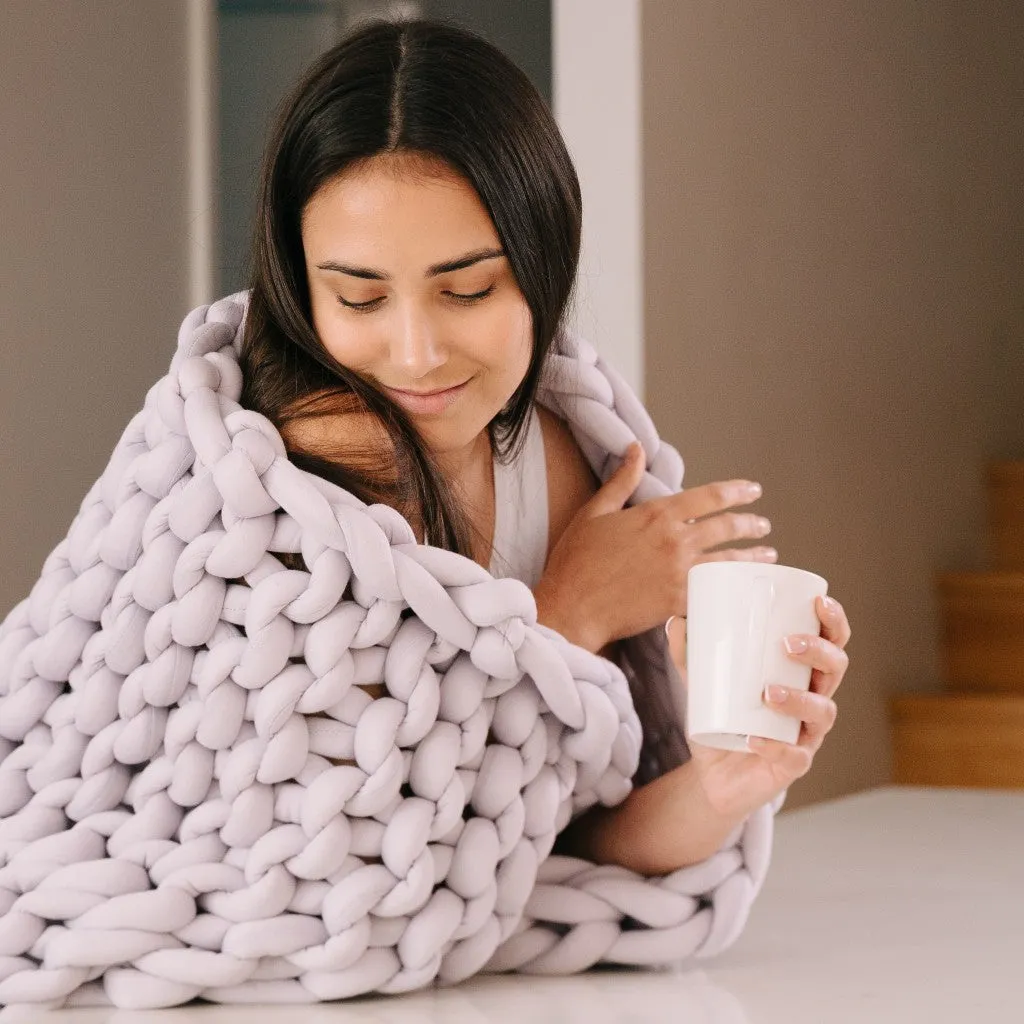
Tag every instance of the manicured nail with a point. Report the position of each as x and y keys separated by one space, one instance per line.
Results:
x=795 y=644
x=776 y=694
x=829 y=604
x=754 y=490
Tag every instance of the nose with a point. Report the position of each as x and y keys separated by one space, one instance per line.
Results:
x=416 y=349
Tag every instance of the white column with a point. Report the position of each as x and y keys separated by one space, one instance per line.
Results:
x=201 y=28
x=596 y=71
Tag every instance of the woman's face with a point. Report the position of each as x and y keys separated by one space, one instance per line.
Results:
x=409 y=287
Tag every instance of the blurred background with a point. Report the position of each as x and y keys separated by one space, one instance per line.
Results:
x=804 y=244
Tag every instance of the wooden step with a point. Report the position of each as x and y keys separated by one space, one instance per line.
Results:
x=1005 y=485
x=956 y=739
x=981 y=634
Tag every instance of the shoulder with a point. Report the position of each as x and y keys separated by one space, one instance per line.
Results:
x=571 y=483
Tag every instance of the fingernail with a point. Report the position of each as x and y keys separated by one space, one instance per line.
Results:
x=774 y=693
x=829 y=604
x=754 y=490
x=795 y=644
x=771 y=553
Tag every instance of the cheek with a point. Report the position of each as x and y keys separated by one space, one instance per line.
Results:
x=353 y=348
x=511 y=344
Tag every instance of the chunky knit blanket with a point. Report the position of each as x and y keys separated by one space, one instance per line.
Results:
x=200 y=798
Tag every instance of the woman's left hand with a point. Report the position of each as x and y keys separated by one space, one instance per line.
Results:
x=734 y=783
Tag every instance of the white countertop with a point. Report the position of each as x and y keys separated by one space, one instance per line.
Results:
x=894 y=905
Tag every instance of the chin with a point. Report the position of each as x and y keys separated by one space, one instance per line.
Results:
x=444 y=436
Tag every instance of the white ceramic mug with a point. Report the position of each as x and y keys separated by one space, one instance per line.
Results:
x=738 y=614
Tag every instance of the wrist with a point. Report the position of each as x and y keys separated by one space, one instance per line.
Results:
x=720 y=817
x=577 y=628
x=719 y=789
x=661 y=827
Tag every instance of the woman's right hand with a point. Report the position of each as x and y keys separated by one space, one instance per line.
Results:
x=617 y=571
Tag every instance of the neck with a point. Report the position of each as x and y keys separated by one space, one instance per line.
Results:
x=470 y=473
x=467 y=467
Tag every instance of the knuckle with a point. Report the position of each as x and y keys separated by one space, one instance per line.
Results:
x=675 y=528
x=737 y=526
x=651 y=513
x=810 y=708
x=757 y=526
x=841 y=622
x=803 y=759
x=723 y=527
x=672 y=546
x=660 y=511
x=831 y=713
x=720 y=493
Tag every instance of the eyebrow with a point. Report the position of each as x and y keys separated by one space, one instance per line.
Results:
x=447 y=267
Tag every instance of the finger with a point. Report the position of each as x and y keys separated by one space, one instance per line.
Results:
x=619 y=487
x=760 y=554
x=834 y=624
x=795 y=761
x=828 y=662
x=729 y=527
x=816 y=711
x=706 y=500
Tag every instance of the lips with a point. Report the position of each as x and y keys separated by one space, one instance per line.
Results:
x=426 y=394
x=427 y=402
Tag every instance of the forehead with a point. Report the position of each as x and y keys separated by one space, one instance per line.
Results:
x=396 y=211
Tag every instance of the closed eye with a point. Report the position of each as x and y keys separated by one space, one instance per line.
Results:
x=474 y=297
x=372 y=304
x=460 y=297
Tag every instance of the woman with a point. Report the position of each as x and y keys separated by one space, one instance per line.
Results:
x=415 y=250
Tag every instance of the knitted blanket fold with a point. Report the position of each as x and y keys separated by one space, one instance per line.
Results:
x=200 y=798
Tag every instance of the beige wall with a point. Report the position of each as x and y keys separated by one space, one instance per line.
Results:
x=596 y=88
x=833 y=259
x=93 y=268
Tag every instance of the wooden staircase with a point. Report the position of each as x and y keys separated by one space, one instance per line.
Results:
x=972 y=734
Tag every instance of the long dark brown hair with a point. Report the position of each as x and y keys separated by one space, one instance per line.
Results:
x=424 y=89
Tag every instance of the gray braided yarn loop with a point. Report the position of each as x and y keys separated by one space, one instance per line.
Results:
x=224 y=778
